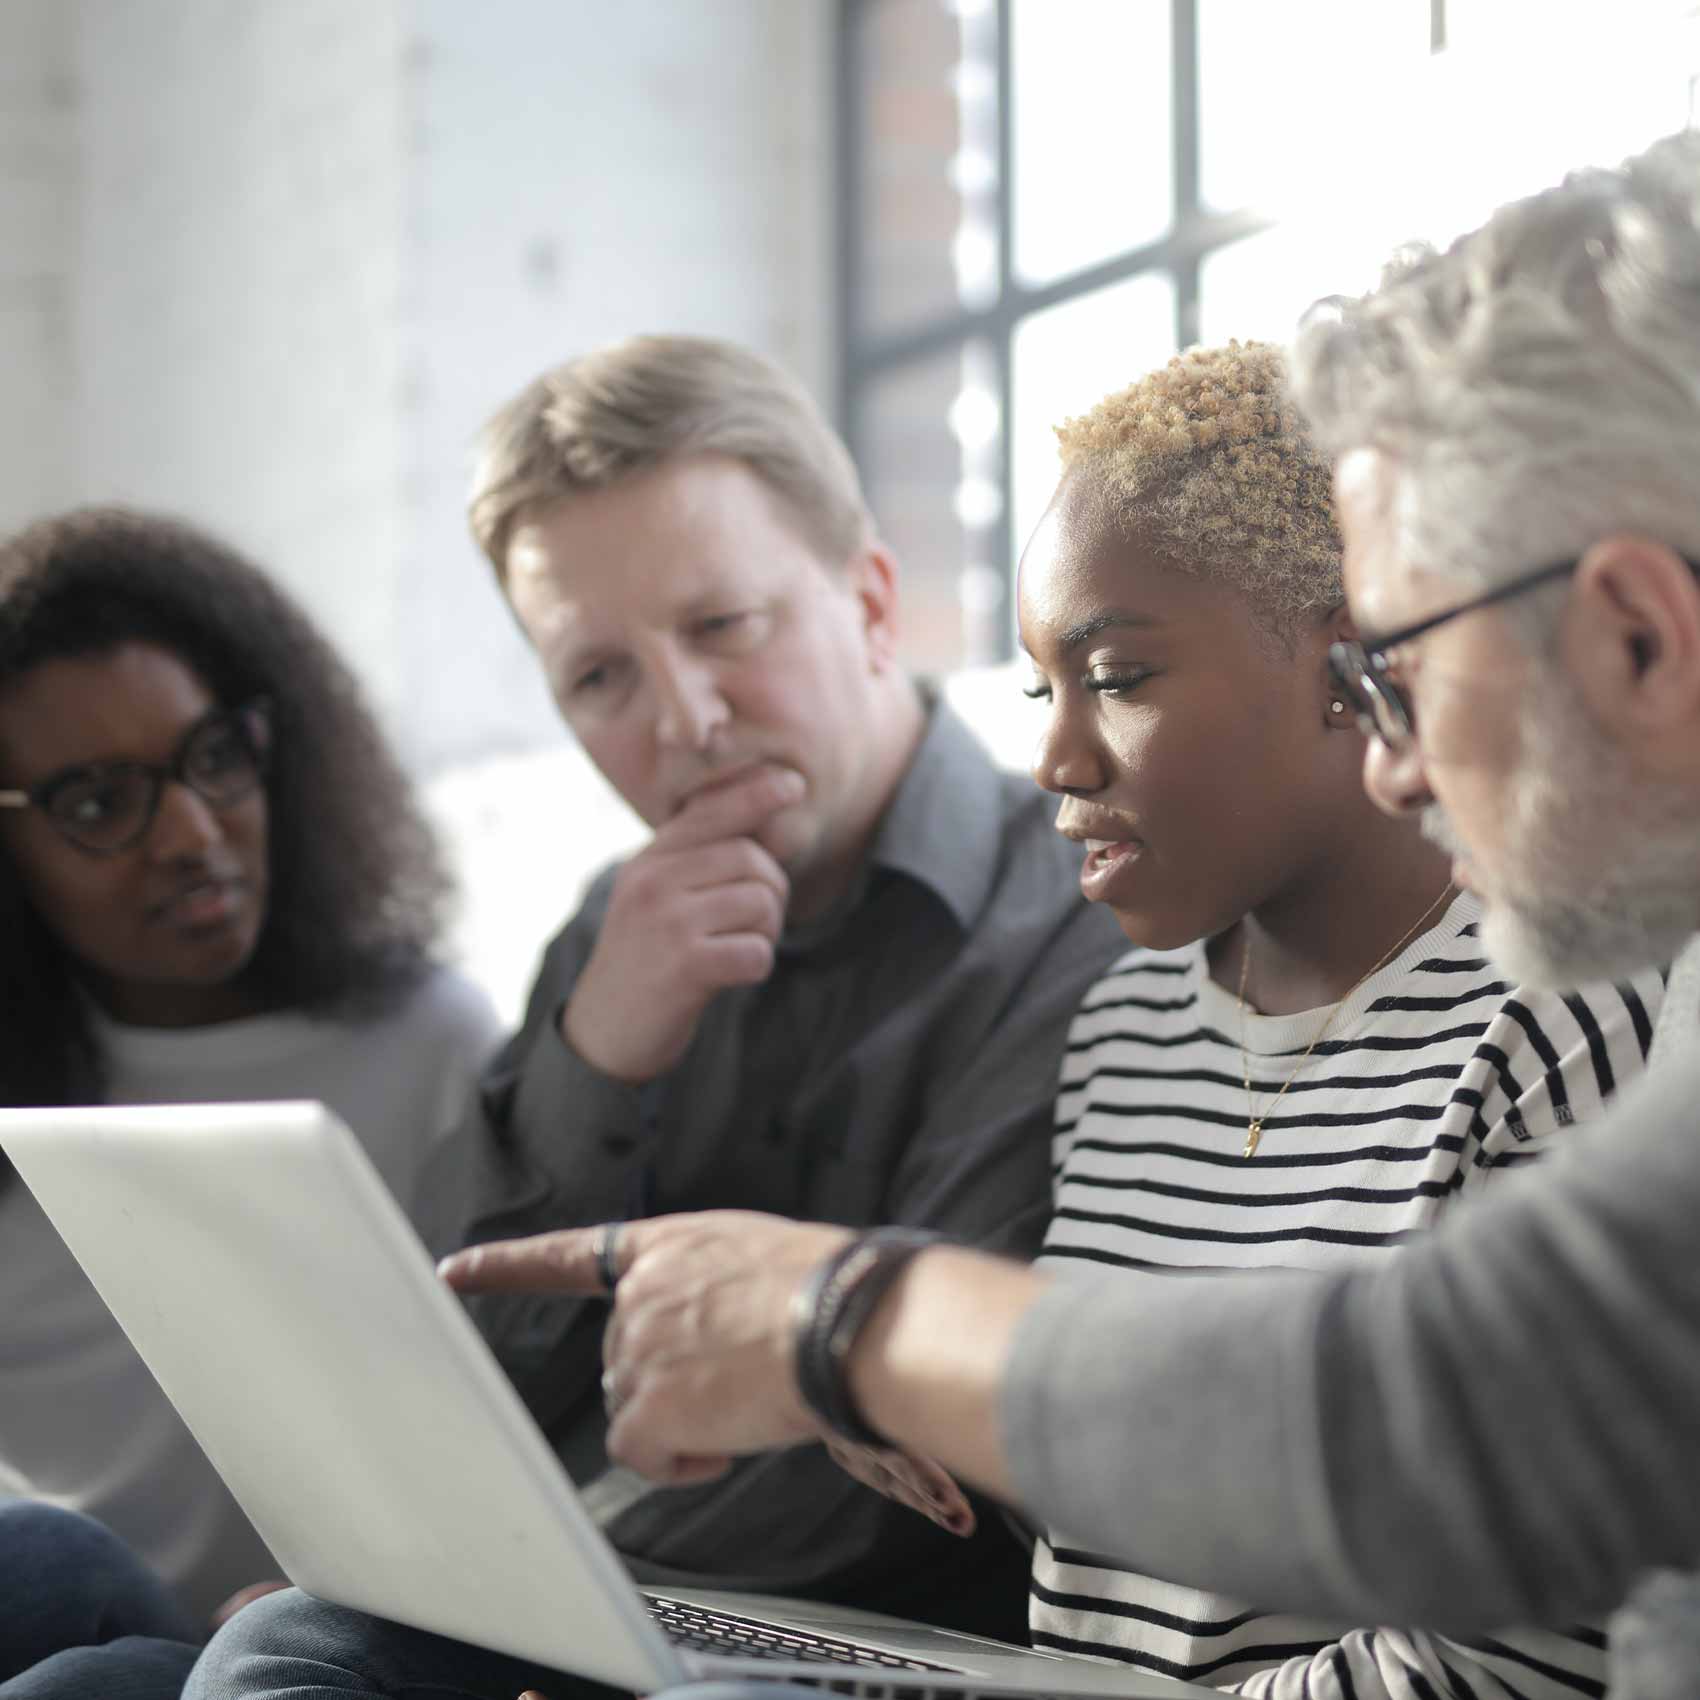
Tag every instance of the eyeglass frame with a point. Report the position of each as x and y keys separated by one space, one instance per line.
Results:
x=1360 y=669
x=251 y=719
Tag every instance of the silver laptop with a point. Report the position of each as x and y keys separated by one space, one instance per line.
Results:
x=282 y=1300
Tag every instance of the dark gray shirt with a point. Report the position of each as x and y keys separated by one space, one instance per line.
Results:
x=898 y=1066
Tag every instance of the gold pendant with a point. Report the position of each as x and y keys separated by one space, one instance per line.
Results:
x=1253 y=1133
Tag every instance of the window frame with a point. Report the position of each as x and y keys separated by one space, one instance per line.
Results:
x=1196 y=232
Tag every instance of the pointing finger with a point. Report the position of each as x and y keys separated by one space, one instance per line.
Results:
x=567 y=1261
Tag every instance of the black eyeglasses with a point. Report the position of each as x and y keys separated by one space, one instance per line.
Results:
x=1363 y=674
x=108 y=806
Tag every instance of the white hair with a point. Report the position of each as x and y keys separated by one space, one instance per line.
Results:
x=1538 y=384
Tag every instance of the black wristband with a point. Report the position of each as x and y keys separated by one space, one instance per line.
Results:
x=832 y=1308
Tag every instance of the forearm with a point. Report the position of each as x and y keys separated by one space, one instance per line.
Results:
x=927 y=1370
x=1369 y=1418
x=1490 y=1429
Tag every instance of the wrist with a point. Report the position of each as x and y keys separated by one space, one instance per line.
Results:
x=830 y=1313
x=929 y=1364
x=578 y=1035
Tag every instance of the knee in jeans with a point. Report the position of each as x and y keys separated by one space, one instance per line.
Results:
x=266 y=1625
x=55 y=1539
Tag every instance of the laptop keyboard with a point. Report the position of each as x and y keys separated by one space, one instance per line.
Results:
x=701 y=1631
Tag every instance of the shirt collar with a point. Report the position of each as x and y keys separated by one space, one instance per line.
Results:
x=944 y=828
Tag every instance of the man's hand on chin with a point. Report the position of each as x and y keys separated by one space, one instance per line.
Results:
x=698 y=910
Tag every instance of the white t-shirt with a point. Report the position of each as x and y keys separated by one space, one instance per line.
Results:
x=1435 y=1078
x=81 y=1419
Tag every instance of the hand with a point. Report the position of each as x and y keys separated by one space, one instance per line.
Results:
x=918 y=1483
x=244 y=1597
x=697 y=910
x=699 y=1352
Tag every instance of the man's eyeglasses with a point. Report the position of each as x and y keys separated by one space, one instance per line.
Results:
x=108 y=806
x=1363 y=674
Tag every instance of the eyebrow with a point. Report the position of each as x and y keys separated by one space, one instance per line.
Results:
x=105 y=764
x=1075 y=636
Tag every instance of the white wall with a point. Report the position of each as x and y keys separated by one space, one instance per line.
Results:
x=38 y=179
x=238 y=286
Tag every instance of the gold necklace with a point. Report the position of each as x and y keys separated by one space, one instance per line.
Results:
x=1255 y=1118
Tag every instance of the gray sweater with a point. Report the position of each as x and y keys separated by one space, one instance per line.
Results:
x=1499 y=1426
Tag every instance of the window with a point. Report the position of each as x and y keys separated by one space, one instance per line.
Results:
x=1043 y=199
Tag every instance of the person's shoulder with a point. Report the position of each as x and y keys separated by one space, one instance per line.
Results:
x=443 y=1016
x=592 y=905
x=568 y=942
x=447 y=1004
x=1572 y=1016
x=1551 y=1059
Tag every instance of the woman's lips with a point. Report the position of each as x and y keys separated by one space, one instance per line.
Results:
x=209 y=905
x=1108 y=866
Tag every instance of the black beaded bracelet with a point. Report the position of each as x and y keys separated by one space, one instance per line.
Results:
x=832 y=1308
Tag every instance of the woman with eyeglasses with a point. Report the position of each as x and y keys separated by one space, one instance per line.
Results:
x=215 y=885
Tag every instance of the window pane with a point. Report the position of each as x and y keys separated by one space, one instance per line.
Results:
x=1258 y=288
x=1090 y=130
x=1263 y=135
x=931 y=434
x=1066 y=360
x=926 y=235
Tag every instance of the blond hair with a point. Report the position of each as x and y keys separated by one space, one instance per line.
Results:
x=627 y=408
x=1208 y=461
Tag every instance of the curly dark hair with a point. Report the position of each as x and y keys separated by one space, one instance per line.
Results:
x=358 y=884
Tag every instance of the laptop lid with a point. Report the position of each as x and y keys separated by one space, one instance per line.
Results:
x=265 y=1275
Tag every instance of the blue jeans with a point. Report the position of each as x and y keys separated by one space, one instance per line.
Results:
x=290 y=1646
x=82 y=1616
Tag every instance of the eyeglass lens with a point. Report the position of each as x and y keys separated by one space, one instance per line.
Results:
x=1380 y=702
x=108 y=807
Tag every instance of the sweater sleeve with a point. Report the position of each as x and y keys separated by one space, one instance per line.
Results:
x=1339 y=1444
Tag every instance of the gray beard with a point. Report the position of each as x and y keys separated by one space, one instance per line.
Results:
x=1552 y=943
x=1602 y=879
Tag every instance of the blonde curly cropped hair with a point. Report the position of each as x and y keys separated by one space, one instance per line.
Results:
x=1207 y=461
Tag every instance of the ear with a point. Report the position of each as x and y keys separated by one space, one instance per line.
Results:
x=1631 y=639
x=871 y=576
x=1333 y=626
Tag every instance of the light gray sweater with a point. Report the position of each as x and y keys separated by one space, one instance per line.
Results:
x=1362 y=1445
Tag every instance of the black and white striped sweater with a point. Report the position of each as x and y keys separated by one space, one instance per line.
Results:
x=1434 y=1078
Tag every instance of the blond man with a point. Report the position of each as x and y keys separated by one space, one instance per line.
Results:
x=837 y=979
